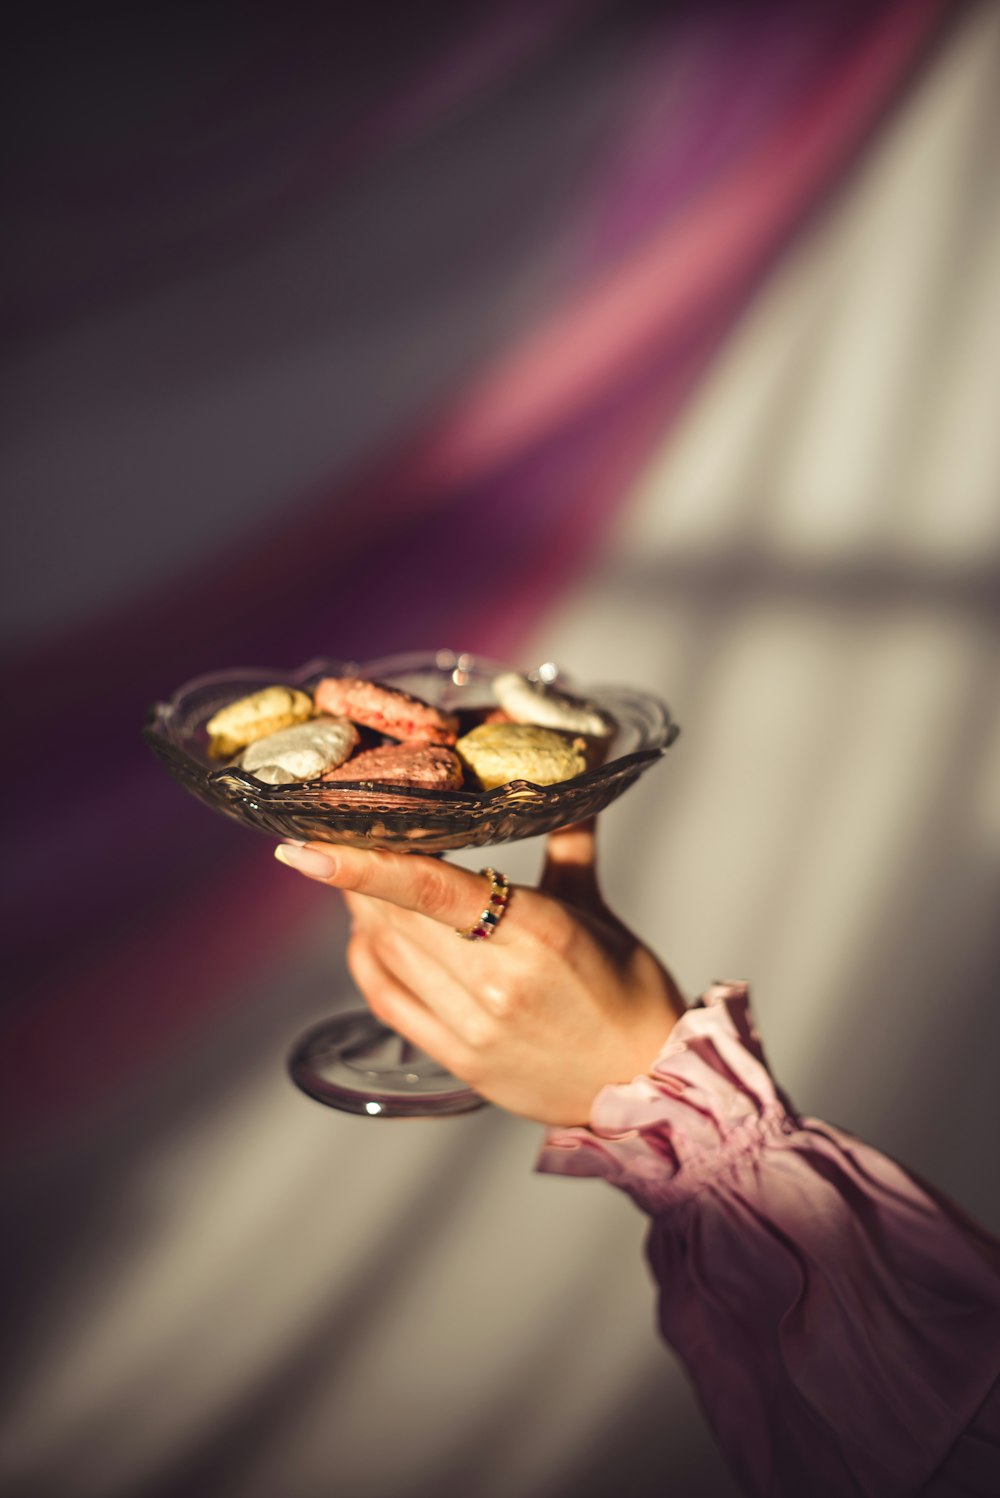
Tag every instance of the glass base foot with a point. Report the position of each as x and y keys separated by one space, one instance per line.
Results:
x=360 y=1066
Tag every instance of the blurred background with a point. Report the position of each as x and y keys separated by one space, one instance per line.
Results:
x=662 y=340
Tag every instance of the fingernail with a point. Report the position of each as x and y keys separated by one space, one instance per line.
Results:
x=306 y=861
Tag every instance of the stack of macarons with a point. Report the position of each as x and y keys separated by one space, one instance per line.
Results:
x=352 y=730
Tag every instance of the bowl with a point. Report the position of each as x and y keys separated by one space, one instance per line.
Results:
x=372 y=815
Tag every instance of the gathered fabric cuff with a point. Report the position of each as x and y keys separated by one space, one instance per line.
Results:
x=707 y=1104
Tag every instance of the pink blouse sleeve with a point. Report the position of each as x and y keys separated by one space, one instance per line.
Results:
x=840 y=1321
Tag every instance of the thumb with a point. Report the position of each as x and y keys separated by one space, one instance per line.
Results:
x=570 y=872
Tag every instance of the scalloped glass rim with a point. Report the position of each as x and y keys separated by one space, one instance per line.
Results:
x=378 y=813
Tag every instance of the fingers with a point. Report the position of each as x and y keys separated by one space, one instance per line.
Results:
x=477 y=969
x=417 y=969
x=570 y=871
x=429 y=900
x=453 y=896
x=533 y=931
x=398 y=1007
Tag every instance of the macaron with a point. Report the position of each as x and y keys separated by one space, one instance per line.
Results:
x=422 y=766
x=385 y=709
x=302 y=752
x=495 y=753
x=527 y=701
x=255 y=717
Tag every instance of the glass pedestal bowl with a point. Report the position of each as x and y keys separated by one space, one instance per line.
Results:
x=353 y=1062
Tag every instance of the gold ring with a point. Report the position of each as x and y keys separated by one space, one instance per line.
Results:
x=495 y=907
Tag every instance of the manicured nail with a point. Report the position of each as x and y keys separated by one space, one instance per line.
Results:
x=306 y=861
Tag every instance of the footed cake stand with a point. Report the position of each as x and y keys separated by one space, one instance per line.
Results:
x=353 y=1061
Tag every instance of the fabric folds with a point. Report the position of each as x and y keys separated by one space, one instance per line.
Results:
x=841 y=1322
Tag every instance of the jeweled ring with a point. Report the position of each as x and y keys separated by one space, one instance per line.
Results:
x=495 y=907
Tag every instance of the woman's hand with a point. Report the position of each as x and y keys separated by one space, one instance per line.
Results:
x=560 y=1001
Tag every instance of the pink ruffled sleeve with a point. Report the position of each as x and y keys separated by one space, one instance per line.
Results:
x=840 y=1321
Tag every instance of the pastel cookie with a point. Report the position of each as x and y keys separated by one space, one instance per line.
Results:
x=386 y=709
x=527 y=701
x=429 y=767
x=498 y=752
x=303 y=752
x=250 y=718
